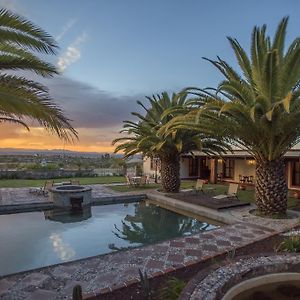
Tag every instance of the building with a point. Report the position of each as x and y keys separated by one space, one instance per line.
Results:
x=238 y=167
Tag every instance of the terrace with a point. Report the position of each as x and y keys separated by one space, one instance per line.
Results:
x=234 y=231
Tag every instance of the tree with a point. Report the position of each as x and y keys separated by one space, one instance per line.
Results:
x=20 y=98
x=151 y=224
x=147 y=136
x=258 y=110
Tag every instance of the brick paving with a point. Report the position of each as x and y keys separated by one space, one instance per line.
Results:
x=108 y=272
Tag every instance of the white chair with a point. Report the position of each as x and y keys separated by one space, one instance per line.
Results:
x=232 y=192
x=198 y=187
x=42 y=190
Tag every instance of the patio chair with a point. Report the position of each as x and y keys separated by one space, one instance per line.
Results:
x=129 y=181
x=42 y=190
x=231 y=193
x=198 y=187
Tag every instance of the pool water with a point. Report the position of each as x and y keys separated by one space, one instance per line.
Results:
x=36 y=239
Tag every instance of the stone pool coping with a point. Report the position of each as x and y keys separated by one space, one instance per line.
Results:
x=228 y=216
x=214 y=282
x=29 y=207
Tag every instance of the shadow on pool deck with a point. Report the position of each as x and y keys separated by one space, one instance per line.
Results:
x=207 y=200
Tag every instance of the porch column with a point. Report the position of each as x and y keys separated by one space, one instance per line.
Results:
x=213 y=170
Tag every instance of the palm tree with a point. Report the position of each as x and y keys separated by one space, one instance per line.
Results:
x=20 y=98
x=258 y=110
x=147 y=137
x=151 y=224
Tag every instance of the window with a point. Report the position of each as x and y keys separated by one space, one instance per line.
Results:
x=228 y=168
x=193 y=166
x=295 y=173
x=152 y=164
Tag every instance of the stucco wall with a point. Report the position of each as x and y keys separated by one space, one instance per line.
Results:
x=241 y=167
x=147 y=168
x=184 y=167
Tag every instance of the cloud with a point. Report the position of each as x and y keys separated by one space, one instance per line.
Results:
x=72 y=54
x=65 y=29
x=91 y=107
x=96 y=114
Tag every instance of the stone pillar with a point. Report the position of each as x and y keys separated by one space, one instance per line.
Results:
x=213 y=170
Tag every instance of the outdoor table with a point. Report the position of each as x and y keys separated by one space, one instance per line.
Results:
x=136 y=180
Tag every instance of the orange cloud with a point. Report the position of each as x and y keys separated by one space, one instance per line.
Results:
x=90 y=139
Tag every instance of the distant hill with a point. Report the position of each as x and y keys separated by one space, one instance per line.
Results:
x=52 y=152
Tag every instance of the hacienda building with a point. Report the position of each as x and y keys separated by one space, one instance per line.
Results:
x=238 y=167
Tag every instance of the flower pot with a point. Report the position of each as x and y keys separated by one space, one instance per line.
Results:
x=296 y=194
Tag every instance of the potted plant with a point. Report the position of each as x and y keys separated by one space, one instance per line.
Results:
x=296 y=194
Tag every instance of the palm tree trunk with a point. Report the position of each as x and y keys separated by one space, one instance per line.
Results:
x=271 y=188
x=170 y=176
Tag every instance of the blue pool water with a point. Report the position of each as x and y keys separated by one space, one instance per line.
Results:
x=36 y=239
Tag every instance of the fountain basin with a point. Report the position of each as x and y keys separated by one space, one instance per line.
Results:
x=247 y=276
x=71 y=196
x=278 y=286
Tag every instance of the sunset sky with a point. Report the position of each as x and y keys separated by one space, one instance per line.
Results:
x=114 y=52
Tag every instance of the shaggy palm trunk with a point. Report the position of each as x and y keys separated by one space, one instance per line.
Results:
x=271 y=188
x=170 y=177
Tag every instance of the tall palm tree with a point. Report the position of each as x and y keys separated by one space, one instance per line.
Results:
x=259 y=109
x=145 y=137
x=151 y=224
x=20 y=98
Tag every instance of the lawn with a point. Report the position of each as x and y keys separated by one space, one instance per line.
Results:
x=40 y=182
x=243 y=195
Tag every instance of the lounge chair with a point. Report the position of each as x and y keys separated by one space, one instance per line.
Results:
x=198 y=187
x=42 y=190
x=231 y=193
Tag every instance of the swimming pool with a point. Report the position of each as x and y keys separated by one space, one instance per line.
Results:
x=37 y=239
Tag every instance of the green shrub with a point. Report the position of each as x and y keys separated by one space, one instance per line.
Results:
x=173 y=289
x=290 y=244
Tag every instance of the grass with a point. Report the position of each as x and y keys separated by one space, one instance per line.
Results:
x=14 y=183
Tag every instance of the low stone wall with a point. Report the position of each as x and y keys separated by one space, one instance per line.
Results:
x=44 y=174
x=215 y=284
